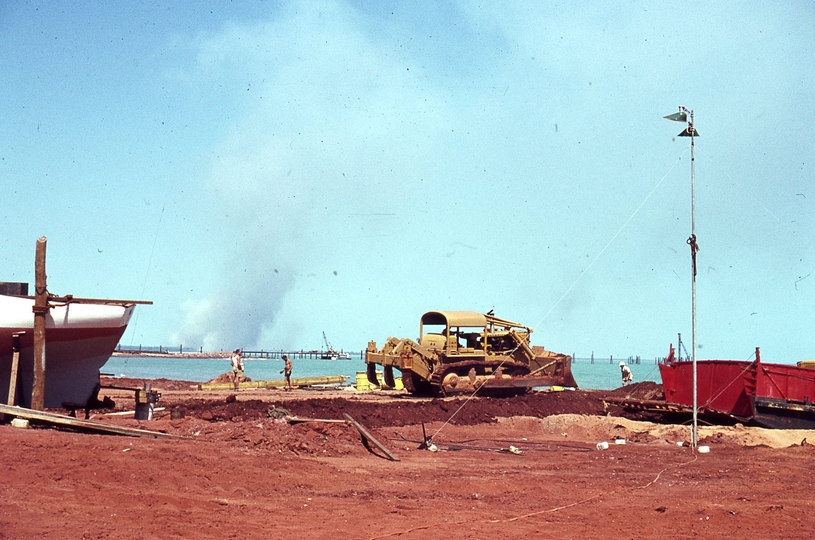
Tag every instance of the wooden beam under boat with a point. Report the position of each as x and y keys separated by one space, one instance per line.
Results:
x=277 y=383
x=70 y=421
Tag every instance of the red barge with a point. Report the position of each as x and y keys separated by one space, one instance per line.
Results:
x=751 y=392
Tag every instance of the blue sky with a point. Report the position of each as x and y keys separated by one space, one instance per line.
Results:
x=267 y=171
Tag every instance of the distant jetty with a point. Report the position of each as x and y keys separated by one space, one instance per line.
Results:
x=162 y=352
x=170 y=354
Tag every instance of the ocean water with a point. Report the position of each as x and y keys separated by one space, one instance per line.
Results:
x=601 y=375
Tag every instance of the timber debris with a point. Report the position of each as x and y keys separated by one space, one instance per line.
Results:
x=75 y=423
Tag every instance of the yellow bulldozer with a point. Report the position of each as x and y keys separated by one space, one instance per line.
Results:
x=466 y=351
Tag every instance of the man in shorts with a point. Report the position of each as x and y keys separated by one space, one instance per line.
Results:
x=237 y=367
x=287 y=372
x=626 y=373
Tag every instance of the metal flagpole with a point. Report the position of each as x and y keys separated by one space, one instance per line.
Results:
x=690 y=131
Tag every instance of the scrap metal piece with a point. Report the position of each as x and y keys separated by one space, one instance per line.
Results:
x=367 y=435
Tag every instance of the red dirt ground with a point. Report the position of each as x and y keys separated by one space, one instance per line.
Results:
x=242 y=473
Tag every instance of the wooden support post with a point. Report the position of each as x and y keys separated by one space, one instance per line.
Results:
x=40 y=311
x=15 y=364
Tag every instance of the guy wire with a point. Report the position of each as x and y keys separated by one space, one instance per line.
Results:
x=602 y=251
x=149 y=265
x=572 y=286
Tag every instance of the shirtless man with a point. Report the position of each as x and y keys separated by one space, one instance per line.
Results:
x=237 y=367
x=287 y=371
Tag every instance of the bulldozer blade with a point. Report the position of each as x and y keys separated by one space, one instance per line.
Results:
x=387 y=377
x=370 y=372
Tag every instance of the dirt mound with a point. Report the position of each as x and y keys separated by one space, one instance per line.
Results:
x=610 y=428
x=640 y=390
x=407 y=412
x=227 y=378
x=155 y=384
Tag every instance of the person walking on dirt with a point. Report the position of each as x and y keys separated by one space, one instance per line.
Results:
x=626 y=373
x=237 y=367
x=287 y=371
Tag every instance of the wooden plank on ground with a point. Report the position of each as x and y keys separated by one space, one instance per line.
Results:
x=365 y=433
x=298 y=420
x=69 y=421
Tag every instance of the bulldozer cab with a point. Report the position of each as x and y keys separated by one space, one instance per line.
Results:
x=469 y=332
x=453 y=332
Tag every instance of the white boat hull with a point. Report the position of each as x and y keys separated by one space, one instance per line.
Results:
x=79 y=340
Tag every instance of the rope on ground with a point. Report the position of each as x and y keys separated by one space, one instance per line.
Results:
x=539 y=512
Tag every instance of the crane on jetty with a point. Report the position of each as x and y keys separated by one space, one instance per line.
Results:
x=330 y=353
